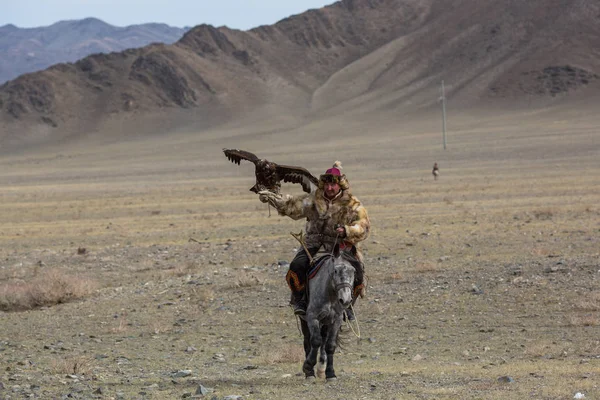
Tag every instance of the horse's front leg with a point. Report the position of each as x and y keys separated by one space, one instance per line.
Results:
x=306 y=334
x=315 y=342
x=322 y=353
x=330 y=346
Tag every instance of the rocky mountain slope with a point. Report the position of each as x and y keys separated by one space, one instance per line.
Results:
x=355 y=56
x=24 y=50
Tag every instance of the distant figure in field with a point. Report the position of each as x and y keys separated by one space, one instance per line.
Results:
x=435 y=171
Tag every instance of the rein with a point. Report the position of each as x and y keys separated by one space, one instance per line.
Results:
x=337 y=236
x=357 y=330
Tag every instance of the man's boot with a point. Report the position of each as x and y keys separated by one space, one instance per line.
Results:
x=350 y=310
x=299 y=303
x=350 y=314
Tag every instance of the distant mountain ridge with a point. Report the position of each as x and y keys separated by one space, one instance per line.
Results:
x=350 y=58
x=25 y=50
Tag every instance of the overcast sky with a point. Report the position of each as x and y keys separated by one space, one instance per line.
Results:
x=238 y=14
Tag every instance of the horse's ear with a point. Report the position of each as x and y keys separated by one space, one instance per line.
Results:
x=336 y=250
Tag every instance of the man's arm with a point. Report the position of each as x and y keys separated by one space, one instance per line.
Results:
x=358 y=229
x=294 y=207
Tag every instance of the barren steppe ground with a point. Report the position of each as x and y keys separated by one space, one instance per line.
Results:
x=481 y=285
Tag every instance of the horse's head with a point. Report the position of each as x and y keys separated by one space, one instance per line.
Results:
x=343 y=278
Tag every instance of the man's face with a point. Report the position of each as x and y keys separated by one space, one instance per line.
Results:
x=331 y=189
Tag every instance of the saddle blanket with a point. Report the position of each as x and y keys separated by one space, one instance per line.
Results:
x=318 y=264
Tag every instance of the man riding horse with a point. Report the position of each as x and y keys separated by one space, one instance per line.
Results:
x=333 y=215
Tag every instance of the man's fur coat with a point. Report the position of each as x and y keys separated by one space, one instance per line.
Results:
x=323 y=216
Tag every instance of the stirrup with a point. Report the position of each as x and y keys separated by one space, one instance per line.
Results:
x=299 y=308
x=299 y=311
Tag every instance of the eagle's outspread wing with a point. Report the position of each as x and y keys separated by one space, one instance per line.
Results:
x=269 y=174
x=298 y=175
x=236 y=156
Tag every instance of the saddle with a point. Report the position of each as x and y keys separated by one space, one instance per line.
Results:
x=318 y=262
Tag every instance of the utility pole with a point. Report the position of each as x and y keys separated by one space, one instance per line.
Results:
x=443 y=98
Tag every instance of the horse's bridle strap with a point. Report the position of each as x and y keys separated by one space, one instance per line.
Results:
x=342 y=286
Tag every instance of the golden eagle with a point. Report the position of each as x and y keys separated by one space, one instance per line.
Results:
x=269 y=174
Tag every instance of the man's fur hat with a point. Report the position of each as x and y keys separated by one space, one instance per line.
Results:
x=334 y=174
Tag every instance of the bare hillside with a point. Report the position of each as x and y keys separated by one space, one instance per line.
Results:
x=355 y=56
x=488 y=53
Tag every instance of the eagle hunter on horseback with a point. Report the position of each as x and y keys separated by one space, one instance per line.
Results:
x=333 y=216
x=336 y=222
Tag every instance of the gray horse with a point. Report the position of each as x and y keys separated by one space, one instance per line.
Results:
x=330 y=293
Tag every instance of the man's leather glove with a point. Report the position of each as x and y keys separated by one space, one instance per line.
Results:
x=267 y=196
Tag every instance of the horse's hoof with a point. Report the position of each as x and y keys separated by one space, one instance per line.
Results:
x=311 y=378
x=332 y=379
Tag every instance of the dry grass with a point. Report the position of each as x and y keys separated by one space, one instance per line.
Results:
x=203 y=295
x=245 y=279
x=432 y=243
x=75 y=365
x=542 y=251
x=585 y=320
x=123 y=325
x=590 y=302
x=591 y=347
x=544 y=214
x=544 y=349
x=158 y=327
x=285 y=354
x=48 y=288
x=396 y=277
x=180 y=270
x=426 y=267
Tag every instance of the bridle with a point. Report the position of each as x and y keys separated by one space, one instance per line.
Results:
x=342 y=286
